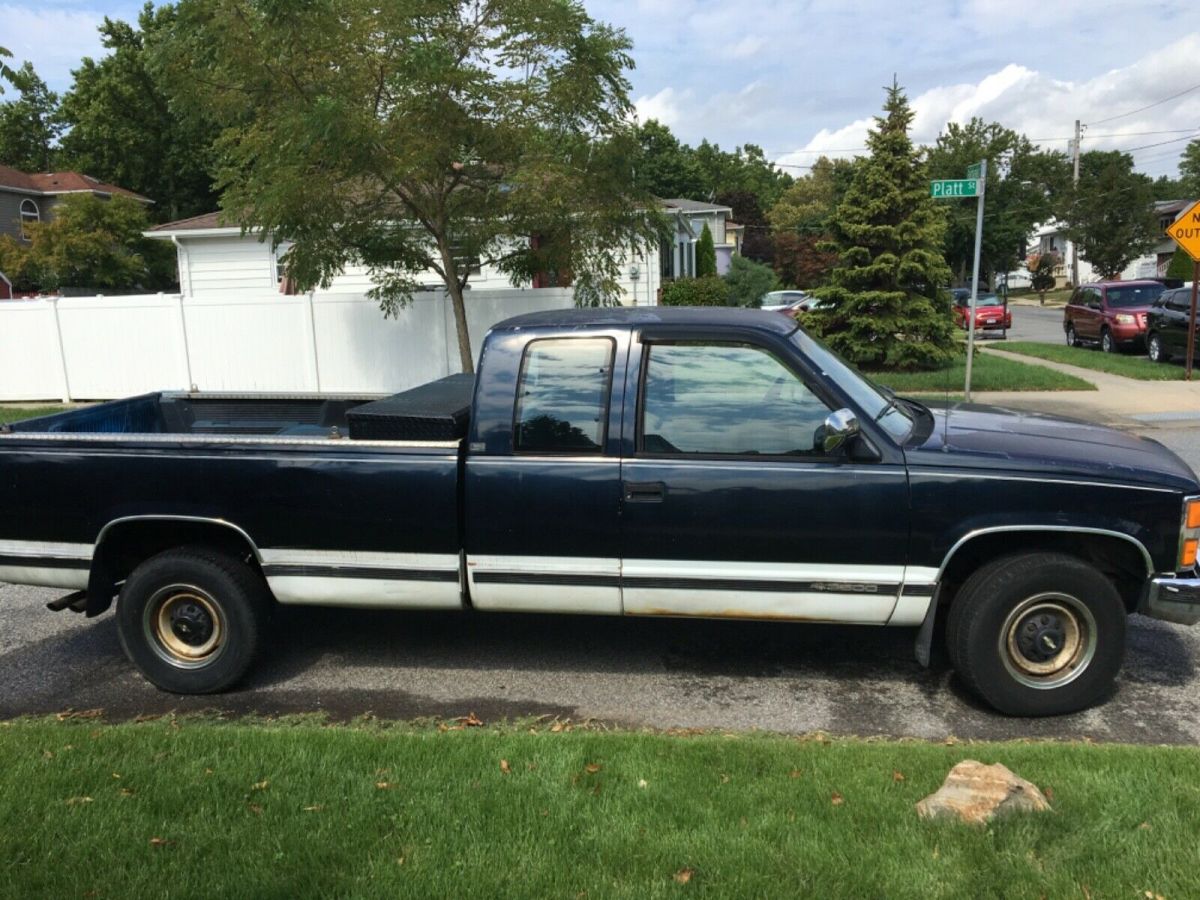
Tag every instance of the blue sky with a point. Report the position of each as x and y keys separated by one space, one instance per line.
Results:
x=806 y=76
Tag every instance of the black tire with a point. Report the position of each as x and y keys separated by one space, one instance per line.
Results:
x=1007 y=608
x=165 y=606
x=1155 y=349
x=1072 y=337
x=1107 y=344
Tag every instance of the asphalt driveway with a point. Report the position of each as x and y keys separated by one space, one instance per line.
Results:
x=659 y=673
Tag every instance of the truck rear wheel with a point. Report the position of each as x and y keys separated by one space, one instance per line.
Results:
x=191 y=619
x=1037 y=634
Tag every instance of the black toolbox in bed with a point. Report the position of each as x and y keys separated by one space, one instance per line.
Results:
x=437 y=411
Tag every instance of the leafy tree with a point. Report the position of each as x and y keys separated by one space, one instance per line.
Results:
x=706 y=253
x=800 y=222
x=6 y=72
x=90 y=243
x=887 y=306
x=1168 y=188
x=1189 y=172
x=1041 y=273
x=29 y=125
x=748 y=211
x=809 y=202
x=747 y=281
x=666 y=168
x=1110 y=214
x=127 y=128
x=711 y=290
x=1022 y=186
x=1181 y=266
x=803 y=260
x=424 y=135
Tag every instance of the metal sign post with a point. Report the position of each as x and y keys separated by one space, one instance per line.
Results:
x=975 y=277
x=974 y=185
x=1185 y=231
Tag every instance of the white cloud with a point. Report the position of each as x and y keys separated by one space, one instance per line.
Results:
x=53 y=39
x=1044 y=108
x=663 y=106
x=749 y=46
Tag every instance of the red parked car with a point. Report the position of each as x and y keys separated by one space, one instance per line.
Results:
x=1110 y=314
x=991 y=312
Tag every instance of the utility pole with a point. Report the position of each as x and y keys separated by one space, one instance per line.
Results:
x=981 y=190
x=1075 y=182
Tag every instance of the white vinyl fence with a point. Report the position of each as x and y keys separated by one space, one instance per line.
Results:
x=101 y=348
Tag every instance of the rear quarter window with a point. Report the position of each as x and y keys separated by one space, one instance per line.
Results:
x=562 y=396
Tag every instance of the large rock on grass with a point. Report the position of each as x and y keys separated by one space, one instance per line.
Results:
x=975 y=793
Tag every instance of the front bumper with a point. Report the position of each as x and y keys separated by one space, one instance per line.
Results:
x=1172 y=600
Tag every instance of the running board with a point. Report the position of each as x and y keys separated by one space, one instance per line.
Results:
x=76 y=602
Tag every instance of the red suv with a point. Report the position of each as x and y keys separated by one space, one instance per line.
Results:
x=1111 y=314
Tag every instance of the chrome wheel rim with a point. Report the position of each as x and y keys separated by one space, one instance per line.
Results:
x=1155 y=349
x=185 y=626
x=1106 y=343
x=1048 y=640
x=1070 y=337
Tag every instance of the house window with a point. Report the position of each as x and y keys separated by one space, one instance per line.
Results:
x=30 y=215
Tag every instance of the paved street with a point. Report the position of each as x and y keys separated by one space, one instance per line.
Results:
x=1035 y=323
x=662 y=673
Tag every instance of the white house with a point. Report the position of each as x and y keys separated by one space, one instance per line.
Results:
x=216 y=258
x=1153 y=264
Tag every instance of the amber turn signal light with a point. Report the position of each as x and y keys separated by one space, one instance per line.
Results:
x=1193 y=514
x=1187 y=558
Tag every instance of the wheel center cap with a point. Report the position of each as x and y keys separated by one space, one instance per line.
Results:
x=191 y=624
x=1042 y=638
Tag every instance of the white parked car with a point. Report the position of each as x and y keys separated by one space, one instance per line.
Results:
x=780 y=301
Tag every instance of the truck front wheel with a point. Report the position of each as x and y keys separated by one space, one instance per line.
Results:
x=190 y=619
x=1037 y=634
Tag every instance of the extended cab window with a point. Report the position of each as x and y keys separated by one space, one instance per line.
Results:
x=726 y=399
x=562 y=395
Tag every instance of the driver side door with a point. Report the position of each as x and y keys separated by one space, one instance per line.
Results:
x=731 y=508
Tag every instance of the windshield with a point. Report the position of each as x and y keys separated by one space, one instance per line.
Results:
x=871 y=399
x=1134 y=295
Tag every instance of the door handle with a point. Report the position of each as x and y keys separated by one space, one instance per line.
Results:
x=645 y=491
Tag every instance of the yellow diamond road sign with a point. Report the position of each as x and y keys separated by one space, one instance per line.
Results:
x=1186 y=231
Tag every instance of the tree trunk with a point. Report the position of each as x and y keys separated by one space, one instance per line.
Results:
x=460 y=325
x=455 y=289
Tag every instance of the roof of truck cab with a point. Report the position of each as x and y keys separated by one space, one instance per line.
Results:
x=607 y=317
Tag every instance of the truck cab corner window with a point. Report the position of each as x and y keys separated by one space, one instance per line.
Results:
x=562 y=396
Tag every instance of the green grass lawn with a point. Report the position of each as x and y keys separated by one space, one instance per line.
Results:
x=16 y=413
x=989 y=373
x=204 y=809
x=1129 y=365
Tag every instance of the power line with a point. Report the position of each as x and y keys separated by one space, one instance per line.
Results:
x=1163 y=143
x=1148 y=105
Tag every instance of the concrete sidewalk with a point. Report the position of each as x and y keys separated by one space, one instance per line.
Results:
x=1116 y=401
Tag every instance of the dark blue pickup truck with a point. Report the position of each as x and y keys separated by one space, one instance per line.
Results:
x=638 y=462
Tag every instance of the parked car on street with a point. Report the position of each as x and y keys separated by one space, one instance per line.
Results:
x=1167 y=325
x=777 y=301
x=647 y=461
x=1110 y=314
x=991 y=311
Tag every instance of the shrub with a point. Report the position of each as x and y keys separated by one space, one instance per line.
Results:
x=707 y=291
x=747 y=281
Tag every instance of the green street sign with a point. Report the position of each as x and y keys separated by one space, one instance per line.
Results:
x=953 y=189
x=974 y=171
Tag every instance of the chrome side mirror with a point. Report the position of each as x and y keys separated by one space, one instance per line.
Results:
x=840 y=426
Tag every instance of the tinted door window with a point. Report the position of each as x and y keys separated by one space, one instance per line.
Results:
x=562 y=395
x=732 y=399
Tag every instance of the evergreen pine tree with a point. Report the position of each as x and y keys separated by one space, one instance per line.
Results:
x=706 y=254
x=887 y=301
x=1181 y=266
